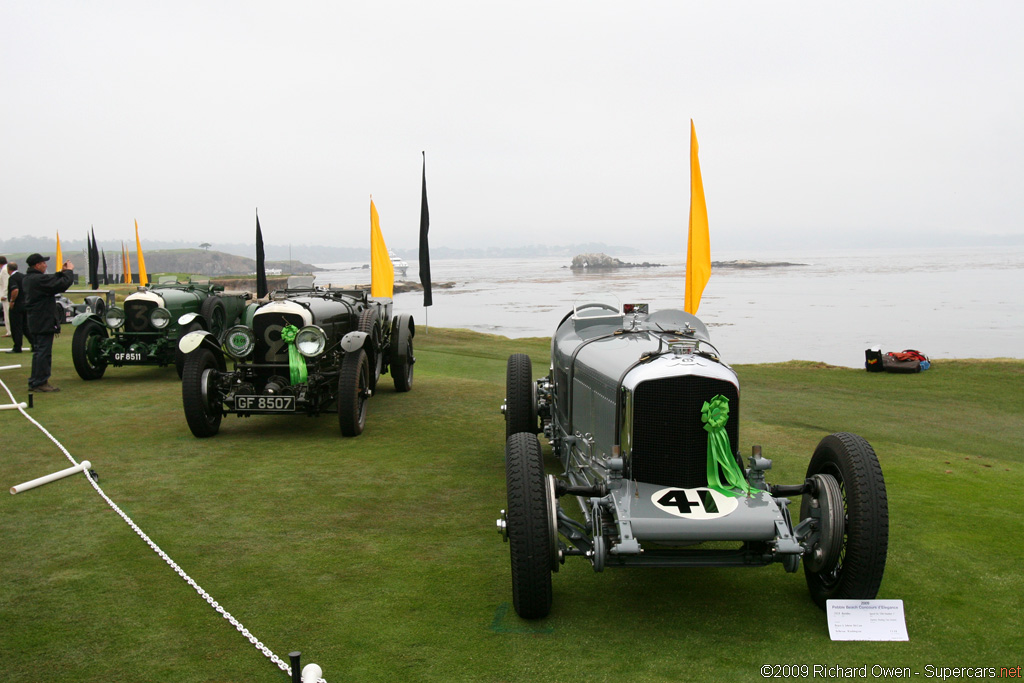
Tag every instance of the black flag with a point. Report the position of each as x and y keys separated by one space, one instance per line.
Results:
x=261 y=266
x=424 y=247
x=106 y=280
x=94 y=261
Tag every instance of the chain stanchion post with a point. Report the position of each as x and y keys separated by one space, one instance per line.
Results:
x=296 y=667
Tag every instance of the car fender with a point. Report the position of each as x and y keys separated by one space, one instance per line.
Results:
x=188 y=318
x=201 y=338
x=85 y=316
x=353 y=341
x=248 y=314
x=96 y=304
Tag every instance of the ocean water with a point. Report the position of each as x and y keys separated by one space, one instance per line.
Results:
x=947 y=303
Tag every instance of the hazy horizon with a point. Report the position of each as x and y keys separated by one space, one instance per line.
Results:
x=822 y=124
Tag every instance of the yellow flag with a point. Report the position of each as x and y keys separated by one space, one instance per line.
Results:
x=143 y=279
x=382 y=273
x=60 y=256
x=126 y=264
x=698 y=249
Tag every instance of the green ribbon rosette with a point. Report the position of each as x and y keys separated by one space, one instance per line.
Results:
x=714 y=414
x=296 y=361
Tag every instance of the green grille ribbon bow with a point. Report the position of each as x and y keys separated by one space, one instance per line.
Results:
x=714 y=414
x=296 y=361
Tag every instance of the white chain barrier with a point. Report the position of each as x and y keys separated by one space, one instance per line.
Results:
x=166 y=558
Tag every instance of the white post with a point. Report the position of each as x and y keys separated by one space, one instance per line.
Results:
x=80 y=467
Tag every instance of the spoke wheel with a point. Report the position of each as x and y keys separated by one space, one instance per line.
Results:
x=179 y=357
x=85 y=350
x=199 y=393
x=369 y=324
x=353 y=392
x=402 y=367
x=215 y=316
x=854 y=570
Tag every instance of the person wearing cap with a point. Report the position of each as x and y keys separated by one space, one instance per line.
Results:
x=39 y=290
x=19 y=324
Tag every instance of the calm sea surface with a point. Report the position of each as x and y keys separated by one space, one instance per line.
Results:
x=947 y=303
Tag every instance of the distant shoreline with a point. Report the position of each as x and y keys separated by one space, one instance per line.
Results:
x=753 y=264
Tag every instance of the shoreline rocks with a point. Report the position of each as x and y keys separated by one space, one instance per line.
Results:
x=606 y=262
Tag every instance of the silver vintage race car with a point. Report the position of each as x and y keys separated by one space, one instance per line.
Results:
x=643 y=417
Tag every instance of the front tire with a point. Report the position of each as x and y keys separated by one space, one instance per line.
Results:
x=353 y=392
x=527 y=523
x=199 y=393
x=856 y=573
x=85 y=351
x=520 y=401
x=179 y=357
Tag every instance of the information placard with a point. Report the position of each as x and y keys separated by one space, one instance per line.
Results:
x=866 y=620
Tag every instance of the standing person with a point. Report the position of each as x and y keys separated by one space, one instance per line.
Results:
x=19 y=323
x=38 y=288
x=3 y=296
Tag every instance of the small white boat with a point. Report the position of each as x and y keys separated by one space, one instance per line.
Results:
x=400 y=266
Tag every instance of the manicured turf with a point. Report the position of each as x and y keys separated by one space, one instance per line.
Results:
x=378 y=556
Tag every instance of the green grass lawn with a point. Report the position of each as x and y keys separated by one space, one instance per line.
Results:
x=378 y=557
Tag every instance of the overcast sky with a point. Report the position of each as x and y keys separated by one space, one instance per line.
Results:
x=542 y=122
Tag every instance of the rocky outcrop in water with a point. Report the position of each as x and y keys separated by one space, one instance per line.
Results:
x=605 y=262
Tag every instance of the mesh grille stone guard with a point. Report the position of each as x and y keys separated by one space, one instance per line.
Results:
x=270 y=348
x=669 y=441
x=136 y=315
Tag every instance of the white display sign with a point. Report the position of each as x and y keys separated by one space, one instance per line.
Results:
x=866 y=620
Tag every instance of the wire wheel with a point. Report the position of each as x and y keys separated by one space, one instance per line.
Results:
x=353 y=392
x=199 y=393
x=85 y=350
x=856 y=572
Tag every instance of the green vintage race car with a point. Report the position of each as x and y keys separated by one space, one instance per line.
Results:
x=307 y=351
x=145 y=330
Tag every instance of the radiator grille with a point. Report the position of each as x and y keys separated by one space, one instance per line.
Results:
x=267 y=327
x=669 y=442
x=136 y=315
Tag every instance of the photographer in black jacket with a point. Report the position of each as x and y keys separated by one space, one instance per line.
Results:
x=39 y=289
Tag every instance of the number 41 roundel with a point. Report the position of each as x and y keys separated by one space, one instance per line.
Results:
x=699 y=503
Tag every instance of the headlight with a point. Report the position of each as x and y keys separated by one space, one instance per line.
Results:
x=310 y=341
x=160 y=318
x=239 y=341
x=114 y=318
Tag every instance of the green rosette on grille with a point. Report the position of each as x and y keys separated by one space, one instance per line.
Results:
x=296 y=361
x=721 y=463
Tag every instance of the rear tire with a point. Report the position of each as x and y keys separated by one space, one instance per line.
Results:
x=527 y=523
x=353 y=388
x=216 y=317
x=520 y=401
x=402 y=359
x=198 y=395
x=85 y=351
x=369 y=324
x=857 y=572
